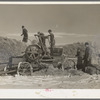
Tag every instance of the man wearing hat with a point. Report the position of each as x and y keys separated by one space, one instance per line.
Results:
x=52 y=41
x=25 y=34
x=87 y=56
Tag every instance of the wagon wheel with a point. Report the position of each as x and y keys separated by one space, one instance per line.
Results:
x=32 y=52
x=72 y=63
x=69 y=64
x=24 y=68
x=5 y=70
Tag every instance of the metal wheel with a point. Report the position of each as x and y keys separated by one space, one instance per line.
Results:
x=32 y=52
x=24 y=69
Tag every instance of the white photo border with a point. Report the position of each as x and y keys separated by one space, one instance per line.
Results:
x=54 y=93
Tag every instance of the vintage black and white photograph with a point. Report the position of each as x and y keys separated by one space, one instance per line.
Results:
x=50 y=46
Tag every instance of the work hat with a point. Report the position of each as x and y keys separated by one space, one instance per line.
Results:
x=22 y=26
x=49 y=30
x=86 y=43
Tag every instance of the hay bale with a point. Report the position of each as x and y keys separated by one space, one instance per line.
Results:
x=92 y=70
x=10 y=47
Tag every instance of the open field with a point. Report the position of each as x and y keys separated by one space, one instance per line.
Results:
x=52 y=79
x=50 y=82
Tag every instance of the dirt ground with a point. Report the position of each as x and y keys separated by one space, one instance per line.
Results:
x=53 y=78
x=84 y=81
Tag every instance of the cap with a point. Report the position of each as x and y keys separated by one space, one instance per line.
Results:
x=22 y=26
x=86 y=43
x=49 y=30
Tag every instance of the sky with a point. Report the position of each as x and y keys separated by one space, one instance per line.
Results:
x=69 y=23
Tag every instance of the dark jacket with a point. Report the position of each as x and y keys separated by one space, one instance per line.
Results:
x=79 y=59
x=52 y=39
x=25 y=32
x=87 y=57
x=88 y=53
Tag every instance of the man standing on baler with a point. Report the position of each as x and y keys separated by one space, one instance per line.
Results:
x=52 y=41
x=25 y=34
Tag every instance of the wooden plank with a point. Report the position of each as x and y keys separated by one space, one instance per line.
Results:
x=7 y=72
x=4 y=63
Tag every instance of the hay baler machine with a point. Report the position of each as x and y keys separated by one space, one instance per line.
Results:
x=32 y=59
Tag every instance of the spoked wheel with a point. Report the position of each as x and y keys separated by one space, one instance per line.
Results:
x=24 y=69
x=32 y=52
x=69 y=64
x=5 y=70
